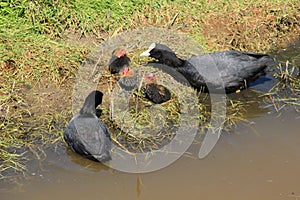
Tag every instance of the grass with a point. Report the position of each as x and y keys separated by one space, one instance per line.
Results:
x=286 y=92
x=43 y=44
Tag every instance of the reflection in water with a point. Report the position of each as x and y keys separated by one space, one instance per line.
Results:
x=139 y=184
x=85 y=163
x=64 y=158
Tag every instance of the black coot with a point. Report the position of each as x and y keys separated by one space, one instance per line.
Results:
x=155 y=92
x=118 y=60
x=234 y=69
x=86 y=134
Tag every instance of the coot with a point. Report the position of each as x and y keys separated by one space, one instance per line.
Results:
x=118 y=60
x=128 y=78
x=232 y=70
x=86 y=134
x=155 y=92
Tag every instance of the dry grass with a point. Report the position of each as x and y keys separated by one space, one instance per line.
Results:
x=256 y=27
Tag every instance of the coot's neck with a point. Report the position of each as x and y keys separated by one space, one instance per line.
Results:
x=88 y=109
x=170 y=59
x=91 y=103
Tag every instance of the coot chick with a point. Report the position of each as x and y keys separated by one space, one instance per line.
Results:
x=118 y=60
x=128 y=78
x=86 y=134
x=235 y=69
x=155 y=92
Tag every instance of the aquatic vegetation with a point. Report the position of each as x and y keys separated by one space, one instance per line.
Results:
x=286 y=92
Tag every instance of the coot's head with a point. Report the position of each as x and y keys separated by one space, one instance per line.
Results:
x=119 y=52
x=151 y=78
x=163 y=54
x=91 y=102
x=157 y=51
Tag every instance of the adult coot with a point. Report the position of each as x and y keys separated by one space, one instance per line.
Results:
x=86 y=134
x=128 y=78
x=232 y=70
x=118 y=60
x=155 y=92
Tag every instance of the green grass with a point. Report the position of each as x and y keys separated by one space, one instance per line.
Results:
x=39 y=56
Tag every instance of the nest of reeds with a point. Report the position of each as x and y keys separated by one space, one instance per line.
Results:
x=138 y=125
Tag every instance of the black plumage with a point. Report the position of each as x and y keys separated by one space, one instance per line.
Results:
x=86 y=134
x=229 y=70
x=155 y=92
x=118 y=60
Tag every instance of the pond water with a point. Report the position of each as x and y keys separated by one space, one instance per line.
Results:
x=256 y=160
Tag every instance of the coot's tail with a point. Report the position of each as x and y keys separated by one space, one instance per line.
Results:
x=263 y=59
x=259 y=66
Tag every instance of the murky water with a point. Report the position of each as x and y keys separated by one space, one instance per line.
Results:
x=257 y=160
